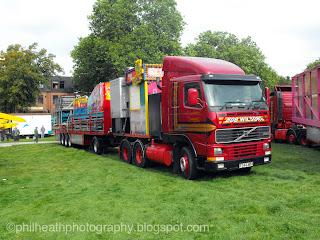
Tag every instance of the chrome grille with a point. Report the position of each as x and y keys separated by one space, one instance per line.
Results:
x=235 y=135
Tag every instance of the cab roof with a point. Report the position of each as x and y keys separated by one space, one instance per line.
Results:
x=200 y=65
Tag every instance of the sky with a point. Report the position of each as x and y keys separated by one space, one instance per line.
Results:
x=286 y=31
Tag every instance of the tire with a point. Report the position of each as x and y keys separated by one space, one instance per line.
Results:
x=188 y=165
x=69 y=144
x=125 y=151
x=291 y=137
x=65 y=140
x=62 y=139
x=139 y=159
x=302 y=139
x=96 y=146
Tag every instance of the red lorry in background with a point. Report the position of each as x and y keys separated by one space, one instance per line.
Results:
x=192 y=113
x=281 y=114
x=295 y=114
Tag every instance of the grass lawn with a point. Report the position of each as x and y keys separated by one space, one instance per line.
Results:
x=52 y=192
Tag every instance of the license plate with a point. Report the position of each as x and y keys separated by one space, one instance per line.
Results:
x=245 y=165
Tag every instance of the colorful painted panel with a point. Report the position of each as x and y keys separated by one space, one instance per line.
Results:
x=98 y=98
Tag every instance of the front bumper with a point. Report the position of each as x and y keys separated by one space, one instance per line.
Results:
x=231 y=165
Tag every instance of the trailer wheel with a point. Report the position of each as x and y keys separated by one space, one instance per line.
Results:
x=62 y=139
x=125 y=151
x=65 y=139
x=303 y=139
x=188 y=165
x=96 y=146
x=139 y=158
x=65 y=143
x=291 y=137
x=69 y=144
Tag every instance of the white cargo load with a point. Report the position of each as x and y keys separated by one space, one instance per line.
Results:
x=32 y=121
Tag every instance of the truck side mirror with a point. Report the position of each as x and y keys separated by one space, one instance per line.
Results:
x=193 y=96
x=158 y=83
x=267 y=95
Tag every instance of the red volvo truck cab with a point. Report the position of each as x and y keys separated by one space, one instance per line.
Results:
x=214 y=115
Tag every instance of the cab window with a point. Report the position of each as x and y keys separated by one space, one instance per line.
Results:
x=187 y=86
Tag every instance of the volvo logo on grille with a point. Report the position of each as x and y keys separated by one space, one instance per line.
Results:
x=245 y=134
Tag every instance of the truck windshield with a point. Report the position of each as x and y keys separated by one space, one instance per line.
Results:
x=234 y=97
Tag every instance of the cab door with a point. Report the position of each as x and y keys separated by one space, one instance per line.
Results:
x=191 y=119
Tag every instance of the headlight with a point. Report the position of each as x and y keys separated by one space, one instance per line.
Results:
x=218 y=151
x=266 y=146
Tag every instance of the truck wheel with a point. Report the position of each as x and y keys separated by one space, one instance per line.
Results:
x=303 y=139
x=139 y=158
x=96 y=146
x=188 y=165
x=69 y=141
x=125 y=151
x=65 y=143
x=291 y=137
x=62 y=139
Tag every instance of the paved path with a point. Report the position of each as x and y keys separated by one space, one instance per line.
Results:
x=25 y=143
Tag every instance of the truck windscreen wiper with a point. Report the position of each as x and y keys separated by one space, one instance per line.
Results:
x=252 y=103
x=226 y=105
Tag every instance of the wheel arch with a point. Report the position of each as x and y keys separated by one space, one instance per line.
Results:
x=179 y=141
x=294 y=130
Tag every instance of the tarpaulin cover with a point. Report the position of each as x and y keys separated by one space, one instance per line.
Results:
x=98 y=98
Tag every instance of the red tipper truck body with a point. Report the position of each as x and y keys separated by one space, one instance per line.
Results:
x=295 y=114
x=281 y=112
x=191 y=113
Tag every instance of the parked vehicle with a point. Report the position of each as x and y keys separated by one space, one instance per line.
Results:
x=191 y=113
x=281 y=113
x=34 y=120
x=295 y=114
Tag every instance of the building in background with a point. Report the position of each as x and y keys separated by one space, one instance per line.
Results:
x=58 y=86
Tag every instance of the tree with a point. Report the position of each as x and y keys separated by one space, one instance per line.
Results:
x=284 y=80
x=313 y=64
x=244 y=53
x=21 y=71
x=122 y=32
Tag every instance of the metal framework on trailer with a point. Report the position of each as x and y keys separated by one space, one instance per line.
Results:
x=305 y=97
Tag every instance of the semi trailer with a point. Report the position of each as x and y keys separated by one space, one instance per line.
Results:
x=295 y=109
x=192 y=113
